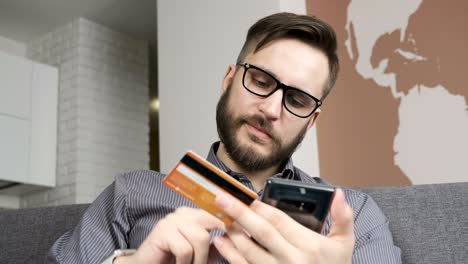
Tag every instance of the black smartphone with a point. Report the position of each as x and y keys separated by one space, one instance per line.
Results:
x=306 y=203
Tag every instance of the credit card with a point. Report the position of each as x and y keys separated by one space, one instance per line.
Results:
x=199 y=181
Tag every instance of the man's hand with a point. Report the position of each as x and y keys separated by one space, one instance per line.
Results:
x=181 y=237
x=264 y=234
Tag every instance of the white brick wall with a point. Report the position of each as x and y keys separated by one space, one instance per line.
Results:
x=103 y=108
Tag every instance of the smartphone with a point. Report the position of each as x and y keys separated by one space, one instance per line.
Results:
x=306 y=203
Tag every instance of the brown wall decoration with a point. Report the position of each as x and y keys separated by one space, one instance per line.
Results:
x=398 y=113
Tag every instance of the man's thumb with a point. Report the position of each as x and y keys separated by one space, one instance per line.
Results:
x=342 y=226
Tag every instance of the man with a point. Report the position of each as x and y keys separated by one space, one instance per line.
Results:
x=269 y=100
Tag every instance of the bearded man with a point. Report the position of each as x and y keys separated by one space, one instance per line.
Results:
x=270 y=97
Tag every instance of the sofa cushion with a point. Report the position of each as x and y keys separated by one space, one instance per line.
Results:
x=27 y=234
x=429 y=222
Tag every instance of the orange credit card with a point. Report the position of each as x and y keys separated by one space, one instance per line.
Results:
x=199 y=181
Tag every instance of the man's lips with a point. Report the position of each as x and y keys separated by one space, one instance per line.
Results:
x=259 y=132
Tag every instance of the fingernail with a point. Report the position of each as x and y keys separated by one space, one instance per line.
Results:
x=223 y=201
x=342 y=203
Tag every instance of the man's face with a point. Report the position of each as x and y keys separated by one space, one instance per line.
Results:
x=259 y=132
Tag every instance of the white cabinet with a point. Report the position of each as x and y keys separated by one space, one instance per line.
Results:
x=15 y=86
x=14 y=152
x=28 y=121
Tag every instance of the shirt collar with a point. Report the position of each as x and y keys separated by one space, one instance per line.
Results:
x=288 y=171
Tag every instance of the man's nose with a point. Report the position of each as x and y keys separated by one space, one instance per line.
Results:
x=272 y=105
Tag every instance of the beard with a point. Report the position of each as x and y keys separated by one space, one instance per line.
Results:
x=245 y=156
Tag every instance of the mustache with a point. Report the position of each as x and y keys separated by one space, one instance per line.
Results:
x=259 y=122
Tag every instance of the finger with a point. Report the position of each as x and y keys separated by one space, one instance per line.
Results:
x=290 y=229
x=247 y=247
x=227 y=249
x=200 y=217
x=172 y=238
x=180 y=248
x=165 y=243
x=260 y=229
x=196 y=231
x=342 y=227
x=199 y=239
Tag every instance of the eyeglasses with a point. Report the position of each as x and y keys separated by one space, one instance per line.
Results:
x=261 y=83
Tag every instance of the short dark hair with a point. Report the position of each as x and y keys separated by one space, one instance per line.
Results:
x=307 y=29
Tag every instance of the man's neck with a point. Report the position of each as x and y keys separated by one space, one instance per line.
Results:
x=257 y=178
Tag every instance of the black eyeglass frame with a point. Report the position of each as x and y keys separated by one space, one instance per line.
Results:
x=279 y=85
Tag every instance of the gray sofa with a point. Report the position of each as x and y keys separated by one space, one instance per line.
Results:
x=429 y=224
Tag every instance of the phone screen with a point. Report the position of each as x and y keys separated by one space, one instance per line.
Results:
x=308 y=204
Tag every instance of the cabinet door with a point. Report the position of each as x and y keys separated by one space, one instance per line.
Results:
x=15 y=83
x=14 y=150
x=43 y=143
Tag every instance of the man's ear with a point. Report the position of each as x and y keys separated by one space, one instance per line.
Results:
x=228 y=77
x=314 y=118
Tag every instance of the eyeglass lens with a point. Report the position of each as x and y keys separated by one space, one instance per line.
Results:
x=296 y=101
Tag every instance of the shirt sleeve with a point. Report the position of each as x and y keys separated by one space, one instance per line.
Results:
x=374 y=241
x=102 y=229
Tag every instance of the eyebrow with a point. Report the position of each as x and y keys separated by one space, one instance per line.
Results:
x=276 y=77
x=268 y=71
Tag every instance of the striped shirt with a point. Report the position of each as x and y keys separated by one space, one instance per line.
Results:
x=126 y=211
